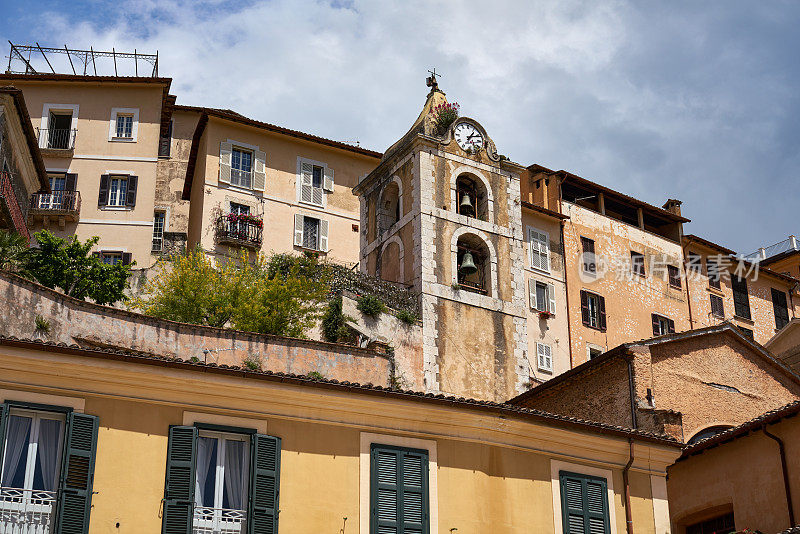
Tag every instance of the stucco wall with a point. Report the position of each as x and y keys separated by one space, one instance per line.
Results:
x=73 y=321
x=743 y=476
x=119 y=229
x=629 y=299
x=488 y=473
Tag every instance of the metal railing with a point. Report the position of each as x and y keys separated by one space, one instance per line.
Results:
x=9 y=198
x=218 y=521
x=241 y=232
x=57 y=139
x=791 y=243
x=26 y=511
x=57 y=201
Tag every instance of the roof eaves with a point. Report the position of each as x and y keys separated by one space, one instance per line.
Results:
x=30 y=135
x=692 y=238
x=545 y=211
x=541 y=416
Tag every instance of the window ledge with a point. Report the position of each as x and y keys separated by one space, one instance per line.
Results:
x=122 y=140
x=304 y=203
x=715 y=291
x=744 y=319
x=116 y=208
x=594 y=327
x=312 y=250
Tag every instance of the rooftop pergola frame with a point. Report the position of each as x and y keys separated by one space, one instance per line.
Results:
x=36 y=59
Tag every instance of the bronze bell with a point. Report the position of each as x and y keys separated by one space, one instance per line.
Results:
x=466 y=207
x=467 y=266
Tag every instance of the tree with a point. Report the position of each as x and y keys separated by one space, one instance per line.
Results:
x=275 y=295
x=68 y=265
x=14 y=252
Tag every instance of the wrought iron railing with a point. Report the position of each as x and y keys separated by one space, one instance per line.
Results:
x=218 y=521
x=238 y=231
x=58 y=139
x=9 y=197
x=26 y=511
x=57 y=201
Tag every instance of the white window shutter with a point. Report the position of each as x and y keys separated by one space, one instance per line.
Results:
x=298 y=229
x=316 y=196
x=306 y=182
x=225 y=150
x=260 y=171
x=551 y=295
x=545 y=252
x=533 y=248
x=548 y=358
x=323 y=235
x=328 y=181
x=544 y=356
x=540 y=355
x=532 y=293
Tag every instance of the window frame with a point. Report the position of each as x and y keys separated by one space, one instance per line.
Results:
x=589 y=267
x=741 y=298
x=36 y=415
x=715 y=280
x=674 y=277
x=541 y=248
x=712 y=297
x=239 y=173
x=664 y=323
x=326 y=183
x=544 y=362
x=638 y=264
x=113 y=125
x=222 y=437
x=599 y=315
x=121 y=192
x=159 y=234
x=425 y=491
x=784 y=308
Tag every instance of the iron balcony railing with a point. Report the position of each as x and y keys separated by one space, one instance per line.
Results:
x=218 y=521
x=61 y=201
x=26 y=511
x=232 y=229
x=57 y=139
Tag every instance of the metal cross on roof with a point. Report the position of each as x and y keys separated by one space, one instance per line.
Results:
x=430 y=81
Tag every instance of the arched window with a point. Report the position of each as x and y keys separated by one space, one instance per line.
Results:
x=709 y=432
x=474 y=265
x=392 y=259
x=390 y=207
x=472 y=199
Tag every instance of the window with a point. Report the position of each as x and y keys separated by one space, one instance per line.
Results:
x=39 y=444
x=662 y=325
x=741 y=301
x=159 y=218
x=117 y=191
x=780 y=308
x=110 y=257
x=714 y=273
x=542 y=296
x=588 y=258
x=165 y=141
x=637 y=263
x=124 y=126
x=315 y=180
x=62 y=195
x=544 y=358
x=471 y=197
x=473 y=266
x=212 y=486
x=717 y=525
x=746 y=332
x=59 y=134
x=539 y=246
x=674 y=276
x=584 y=504
x=717 y=306
x=694 y=264
x=593 y=310
x=311 y=233
x=221 y=480
x=398 y=490
x=241 y=168
x=390 y=207
x=594 y=351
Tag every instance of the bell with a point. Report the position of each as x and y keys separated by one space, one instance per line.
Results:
x=466 y=207
x=467 y=266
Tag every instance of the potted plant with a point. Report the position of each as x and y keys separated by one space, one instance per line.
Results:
x=544 y=314
x=444 y=115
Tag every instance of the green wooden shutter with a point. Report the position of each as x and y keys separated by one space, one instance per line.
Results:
x=3 y=423
x=180 y=480
x=265 y=468
x=584 y=504
x=398 y=491
x=77 y=474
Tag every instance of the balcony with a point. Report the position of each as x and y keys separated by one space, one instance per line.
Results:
x=26 y=511
x=11 y=213
x=239 y=230
x=63 y=206
x=218 y=521
x=57 y=142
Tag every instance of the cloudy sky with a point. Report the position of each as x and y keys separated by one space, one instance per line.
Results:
x=691 y=100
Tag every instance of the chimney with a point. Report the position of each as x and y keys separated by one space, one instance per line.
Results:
x=673 y=206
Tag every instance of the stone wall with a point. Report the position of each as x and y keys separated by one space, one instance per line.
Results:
x=73 y=321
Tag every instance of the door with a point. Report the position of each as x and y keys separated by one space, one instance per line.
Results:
x=60 y=131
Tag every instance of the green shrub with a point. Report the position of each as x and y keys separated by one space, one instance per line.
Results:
x=407 y=317
x=370 y=305
x=42 y=324
x=252 y=363
x=316 y=375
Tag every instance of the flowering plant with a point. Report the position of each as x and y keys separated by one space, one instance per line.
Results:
x=245 y=217
x=544 y=314
x=444 y=115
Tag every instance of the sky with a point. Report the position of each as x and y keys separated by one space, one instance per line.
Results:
x=697 y=101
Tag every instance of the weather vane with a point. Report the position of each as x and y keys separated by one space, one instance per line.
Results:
x=430 y=81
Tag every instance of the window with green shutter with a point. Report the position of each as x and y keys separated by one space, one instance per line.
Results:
x=398 y=490
x=221 y=479
x=584 y=504
x=48 y=468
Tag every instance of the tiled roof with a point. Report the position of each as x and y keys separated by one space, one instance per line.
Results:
x=768 y=418
x=793 y=530
x=499 y=408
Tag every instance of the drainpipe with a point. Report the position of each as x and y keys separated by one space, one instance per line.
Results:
x=566 y=291
x=688 y=295
x=628 y=514
x=785 y=473
x=632 y=393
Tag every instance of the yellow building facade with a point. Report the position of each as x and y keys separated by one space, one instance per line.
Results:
x=153 y=454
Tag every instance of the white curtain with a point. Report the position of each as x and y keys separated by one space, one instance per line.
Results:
x=206 y=465
x=234 y=474
x=49 y=435
x=17 y=439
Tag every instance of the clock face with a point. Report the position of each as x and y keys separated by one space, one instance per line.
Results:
x=468 y=137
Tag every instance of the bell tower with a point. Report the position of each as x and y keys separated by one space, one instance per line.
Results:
x=441 y=214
